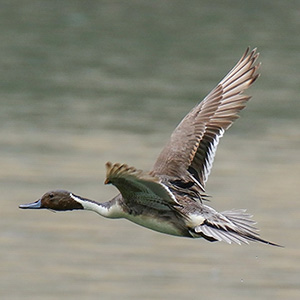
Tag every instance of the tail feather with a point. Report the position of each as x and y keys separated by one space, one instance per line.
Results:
x=231 y=226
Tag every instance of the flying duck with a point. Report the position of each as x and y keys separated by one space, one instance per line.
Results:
x=171 y=197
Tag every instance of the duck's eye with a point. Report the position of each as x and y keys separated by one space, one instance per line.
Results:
x=51 y=195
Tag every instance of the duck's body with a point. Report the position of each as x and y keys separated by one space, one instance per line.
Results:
x=169 y=199
x=161 y=221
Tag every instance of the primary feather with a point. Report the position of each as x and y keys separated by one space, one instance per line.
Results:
x=192 y=146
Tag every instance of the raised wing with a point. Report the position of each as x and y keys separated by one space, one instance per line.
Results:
x=191 y=149
x=139 y=188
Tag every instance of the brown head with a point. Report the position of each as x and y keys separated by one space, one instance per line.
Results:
x=55 y=200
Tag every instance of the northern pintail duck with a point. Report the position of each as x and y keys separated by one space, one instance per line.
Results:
x=170 y=198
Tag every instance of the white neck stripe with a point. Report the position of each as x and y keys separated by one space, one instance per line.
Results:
x=107 y=211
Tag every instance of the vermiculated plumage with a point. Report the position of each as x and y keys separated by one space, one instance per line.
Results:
x=169 y=198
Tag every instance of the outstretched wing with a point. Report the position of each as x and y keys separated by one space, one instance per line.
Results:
x=138 y=187
x=191 y=149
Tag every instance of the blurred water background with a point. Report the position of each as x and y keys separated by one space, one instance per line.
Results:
x=85 y=82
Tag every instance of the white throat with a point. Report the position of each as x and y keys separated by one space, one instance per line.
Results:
x=103 y=209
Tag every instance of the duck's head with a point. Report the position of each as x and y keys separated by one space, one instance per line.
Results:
x=55 y=200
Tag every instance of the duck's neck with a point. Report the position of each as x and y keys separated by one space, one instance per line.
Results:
x=110 y=209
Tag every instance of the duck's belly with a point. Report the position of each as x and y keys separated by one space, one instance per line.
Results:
x=160 y=225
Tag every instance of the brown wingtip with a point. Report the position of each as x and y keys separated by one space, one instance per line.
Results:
x=246 y=53
x=251 y=54
x=123 y=170
x=108 y=165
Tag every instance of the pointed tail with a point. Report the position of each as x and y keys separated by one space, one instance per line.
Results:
x=231 y=226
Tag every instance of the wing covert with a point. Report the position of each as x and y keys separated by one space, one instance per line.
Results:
x=139 y=187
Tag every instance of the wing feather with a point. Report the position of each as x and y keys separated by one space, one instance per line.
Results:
x=192 y=146
x=138 y=187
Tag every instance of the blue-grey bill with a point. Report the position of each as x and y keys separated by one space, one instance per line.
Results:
x=34 y=205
